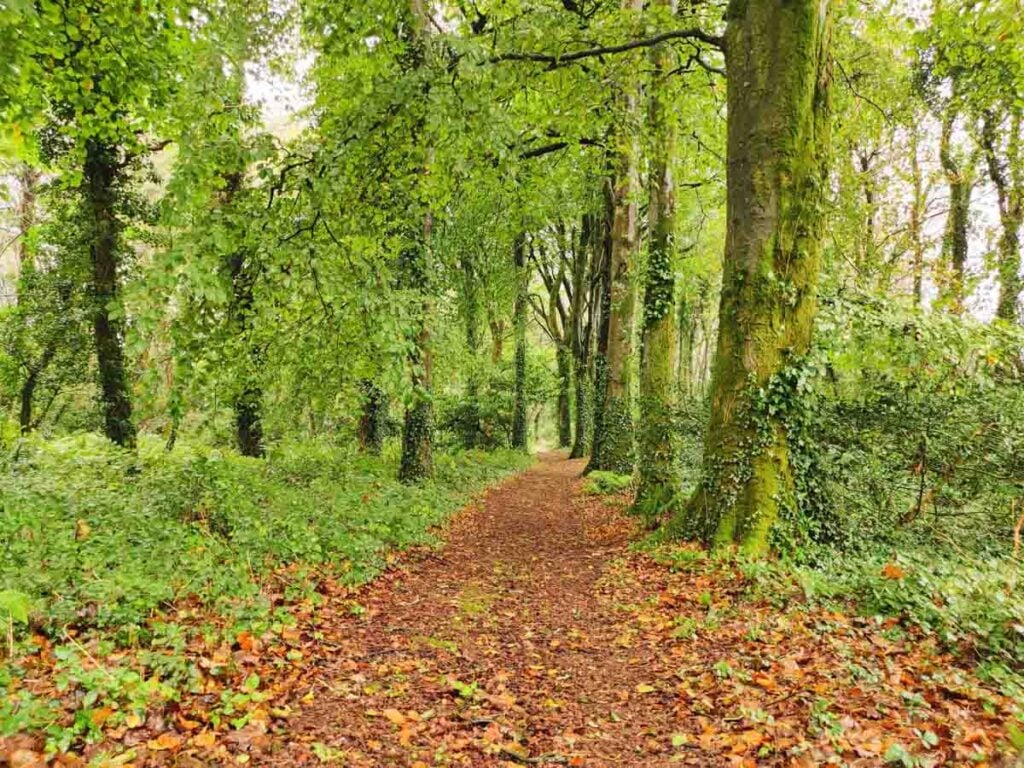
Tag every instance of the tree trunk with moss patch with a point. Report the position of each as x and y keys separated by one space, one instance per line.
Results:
x=100 y=177
x=778 y=151
x=657 y=439
x=519 y=420
x=373 y=419
x=602 y=256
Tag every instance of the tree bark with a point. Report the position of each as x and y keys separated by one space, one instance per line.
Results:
x=564 y=361
x=618 y=451
x=955 y=242
x=470 y=426
x=778 y=58
x=101 y=170
x=519 y=417
x=417 y=462
x=917 y=211
x=603 y=313
x=658 y=443
x=1008 y=178
x=580 y=327
x=371 y=423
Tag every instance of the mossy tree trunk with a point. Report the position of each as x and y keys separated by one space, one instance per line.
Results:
x=777 y=56
x=1007 y=176
x=658 y=442
x=101 y=178
x=564 y=361
x=519 y=417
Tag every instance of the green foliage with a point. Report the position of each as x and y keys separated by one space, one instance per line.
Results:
x=601 y=483
x=100 y=538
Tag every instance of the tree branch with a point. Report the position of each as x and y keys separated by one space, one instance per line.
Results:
x=556 y=60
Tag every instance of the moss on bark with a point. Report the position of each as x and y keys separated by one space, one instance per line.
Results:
x=778 y=154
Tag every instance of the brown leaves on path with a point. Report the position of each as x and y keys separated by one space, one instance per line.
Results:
x=537 y=637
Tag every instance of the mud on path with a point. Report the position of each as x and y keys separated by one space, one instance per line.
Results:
x=536 y=637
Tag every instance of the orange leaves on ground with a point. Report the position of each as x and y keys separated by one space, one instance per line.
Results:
x=893 y=571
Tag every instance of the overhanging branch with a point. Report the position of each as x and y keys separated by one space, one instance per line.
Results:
x=698 y=35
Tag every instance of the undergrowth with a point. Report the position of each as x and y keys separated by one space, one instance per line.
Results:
x=98 y=547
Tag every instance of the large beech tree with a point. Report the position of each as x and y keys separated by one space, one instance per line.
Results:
x=778 y=60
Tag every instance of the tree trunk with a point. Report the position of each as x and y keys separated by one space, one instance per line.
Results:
x=778 y=150
x=603 y=319
x=564 y=360
x=617 y=441
x=470 y=426
x=1008 y=178
x=371 y=423
x=519 y=419
x=100 y=179
x=917 y=211
x=418 y=428
x=658 y=442
x=417 y=461
x=954 y=243
x=28 y=180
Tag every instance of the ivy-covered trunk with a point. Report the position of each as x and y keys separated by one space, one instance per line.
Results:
x=417 y=462
x=1007 y=175
x=954 y=242
x=777 y=55
x=917 y=213
x=519 y=420
x=100 y=178
x=602 y=258
x=373 y=419
x=657 y=439
x=564 y=361
x=617 y=451
x=470 y=417
x=248 y=400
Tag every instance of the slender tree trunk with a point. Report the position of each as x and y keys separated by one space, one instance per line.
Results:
x=519 y=418
x=100 y=180
x=497 y=329
x=470 y=426
x=1008 y=178
x=603 y=319
x=955 y=242
x=777 y=55
x=28 y=181
x=564 y=360
x=658 y=485
x=579 y=336
x=917 y=210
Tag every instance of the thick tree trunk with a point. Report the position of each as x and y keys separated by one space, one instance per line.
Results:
x=371 y=423
x=519 y=418
x=658 y=442
x=100 y=179
x=777 y=55
x=955 y=241
x=1008 y=178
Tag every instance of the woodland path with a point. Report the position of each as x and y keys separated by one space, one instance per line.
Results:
x=536 y=637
